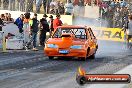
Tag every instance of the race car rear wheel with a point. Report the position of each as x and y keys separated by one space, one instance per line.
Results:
x=92 y=56
x=85 y=58
x=51 y=57
x=82 y=58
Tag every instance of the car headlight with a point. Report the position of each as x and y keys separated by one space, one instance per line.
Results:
x=76 y=47
x=52 y=46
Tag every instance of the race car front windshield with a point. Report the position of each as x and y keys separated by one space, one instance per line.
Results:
x=77 y=32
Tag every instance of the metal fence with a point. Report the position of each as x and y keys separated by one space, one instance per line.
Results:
x=25 y=5
x=19 y=5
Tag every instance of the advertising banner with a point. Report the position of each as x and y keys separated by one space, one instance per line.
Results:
x=113 y=34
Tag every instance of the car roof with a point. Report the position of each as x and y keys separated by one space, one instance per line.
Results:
x=71 y=26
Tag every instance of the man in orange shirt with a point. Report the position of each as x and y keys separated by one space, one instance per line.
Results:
x=57 y=22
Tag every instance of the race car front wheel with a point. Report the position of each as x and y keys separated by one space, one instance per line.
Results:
x=51 y=57
x=82 y=58
x=92 y=56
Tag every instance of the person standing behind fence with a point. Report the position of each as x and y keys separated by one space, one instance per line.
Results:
x=19 y=23
x=57 y=22
x=44 y=28
x=38 y=5
x=6 y=16
x=52 y=7
x=69 y=8
x=51 y=25
x=2 y=17
x=61 y=8
x=9 y=19
x=57 y=5
x=1 y=24
x=22 y=5
x=117 y=17
x=33 y=31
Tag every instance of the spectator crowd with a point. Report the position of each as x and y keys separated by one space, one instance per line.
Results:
x=115 y=13
x=30 y=27
x=49 y=6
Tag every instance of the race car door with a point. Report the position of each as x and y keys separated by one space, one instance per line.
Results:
x=92 y=42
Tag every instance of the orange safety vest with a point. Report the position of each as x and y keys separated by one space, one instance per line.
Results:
x=26 y=20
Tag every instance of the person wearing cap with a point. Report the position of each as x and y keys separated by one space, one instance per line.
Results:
x=51 y=24
x=33 y=31
x=57 y=22
x=19 y=23
x=44 y=28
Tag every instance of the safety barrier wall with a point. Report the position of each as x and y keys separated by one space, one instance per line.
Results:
x=112 y=34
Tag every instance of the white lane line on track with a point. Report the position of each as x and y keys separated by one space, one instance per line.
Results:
x=126 y=70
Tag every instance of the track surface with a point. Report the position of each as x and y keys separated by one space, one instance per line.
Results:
x=22 y=69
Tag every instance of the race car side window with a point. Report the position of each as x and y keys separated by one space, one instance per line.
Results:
x=57 y=33
x=89 y=33
x=80 y=33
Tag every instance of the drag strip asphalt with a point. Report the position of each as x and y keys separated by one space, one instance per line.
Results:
x=35 y=70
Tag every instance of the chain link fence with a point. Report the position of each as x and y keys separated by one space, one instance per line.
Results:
x=37 y=6
x=19 y=5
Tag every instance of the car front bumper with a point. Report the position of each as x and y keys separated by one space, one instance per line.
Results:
x=72 y=52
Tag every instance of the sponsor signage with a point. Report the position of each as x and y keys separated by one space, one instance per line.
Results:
x=84 y=78
x=113 y=34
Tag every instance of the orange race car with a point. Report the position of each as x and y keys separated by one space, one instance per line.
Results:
x=71 y=41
